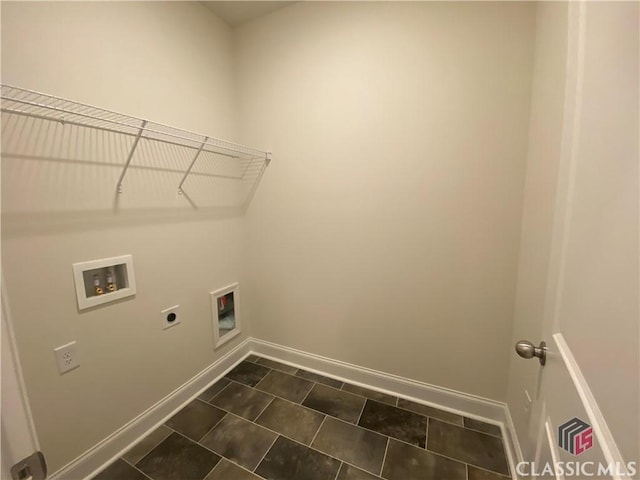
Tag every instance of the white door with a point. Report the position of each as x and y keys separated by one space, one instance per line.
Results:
x=19 y=440
x=586 y=411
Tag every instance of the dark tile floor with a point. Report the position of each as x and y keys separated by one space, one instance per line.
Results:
x=266 y=420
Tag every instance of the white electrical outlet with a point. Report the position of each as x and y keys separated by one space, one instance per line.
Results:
x=170 y=317
x=67 y=357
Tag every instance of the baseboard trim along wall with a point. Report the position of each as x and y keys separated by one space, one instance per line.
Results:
x=472 y=406
x=97 y=458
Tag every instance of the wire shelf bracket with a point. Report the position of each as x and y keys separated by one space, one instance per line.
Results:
x=195 y=157
x=131 y=152
x=42 y=106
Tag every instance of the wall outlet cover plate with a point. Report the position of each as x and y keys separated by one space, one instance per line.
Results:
x=170 y=317
x=67 y=357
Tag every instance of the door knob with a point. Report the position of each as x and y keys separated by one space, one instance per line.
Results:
x=528 y=350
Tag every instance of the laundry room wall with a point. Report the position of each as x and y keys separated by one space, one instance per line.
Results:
x=162 y=61
x=386 y=234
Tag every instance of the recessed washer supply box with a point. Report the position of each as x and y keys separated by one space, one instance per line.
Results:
x=105 y=280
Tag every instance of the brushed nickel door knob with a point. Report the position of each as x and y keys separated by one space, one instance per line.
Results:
x=527 y=349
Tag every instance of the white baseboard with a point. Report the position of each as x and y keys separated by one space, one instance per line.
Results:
x=98 y=457
x=468 y=405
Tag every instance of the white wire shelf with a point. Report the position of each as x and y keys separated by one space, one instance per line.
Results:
x=41 y=106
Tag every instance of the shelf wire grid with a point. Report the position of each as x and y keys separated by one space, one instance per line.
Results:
x=29 y=103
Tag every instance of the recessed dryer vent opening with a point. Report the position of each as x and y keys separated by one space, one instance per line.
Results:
x=225 y=312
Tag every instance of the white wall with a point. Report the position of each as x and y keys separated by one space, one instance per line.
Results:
x=386 y=233
x=168 y=62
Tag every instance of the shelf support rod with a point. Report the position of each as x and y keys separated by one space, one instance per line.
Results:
x=195 y=157
x=131 y=152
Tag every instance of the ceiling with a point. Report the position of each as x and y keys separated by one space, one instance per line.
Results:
x=239 y=12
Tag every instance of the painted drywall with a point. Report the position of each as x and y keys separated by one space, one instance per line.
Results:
x=599 y=311
x=387 y=233
x=545 y=136
x=168 y=62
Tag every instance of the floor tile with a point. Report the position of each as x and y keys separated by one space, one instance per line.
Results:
x=289 y=460
x=314 y=377
x=225 y=470
x=277 y=366
x=248 y=373
x=468 y=446
x=214 y=389
x=252 y=358
x=286 y=386
x=349 y=472
x=240 y=441
x=120 y=470
x=372 y=394
x=352 y=444
x=430 y=411
x=244 y=401
x=147 y=444
x=196 y=419
x=337 y=403
x=178 y=458
x=474 y=473
x=482 y=427
x=405 y=462
x=395 y=422
x=291 y=420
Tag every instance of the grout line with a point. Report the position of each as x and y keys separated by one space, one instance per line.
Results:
x=314 y=384
x=361 y=411
x=131 y=465
x=217 y=394
x=322 y=377
x=500 y=475
x=480 y=431
x=209 y=431
x=338 y=471
x=195 y=400
x=215 y=466
x=456 y=460
x=384 y=457
x=237 y=465
x=318 y=431
x=265 y=453
x=319 y=451
x=261 y=380
x=466 y=471
x=308 y=393
x=285 y=436
x=144 y=438
x=426 y=433
x=262 y=411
